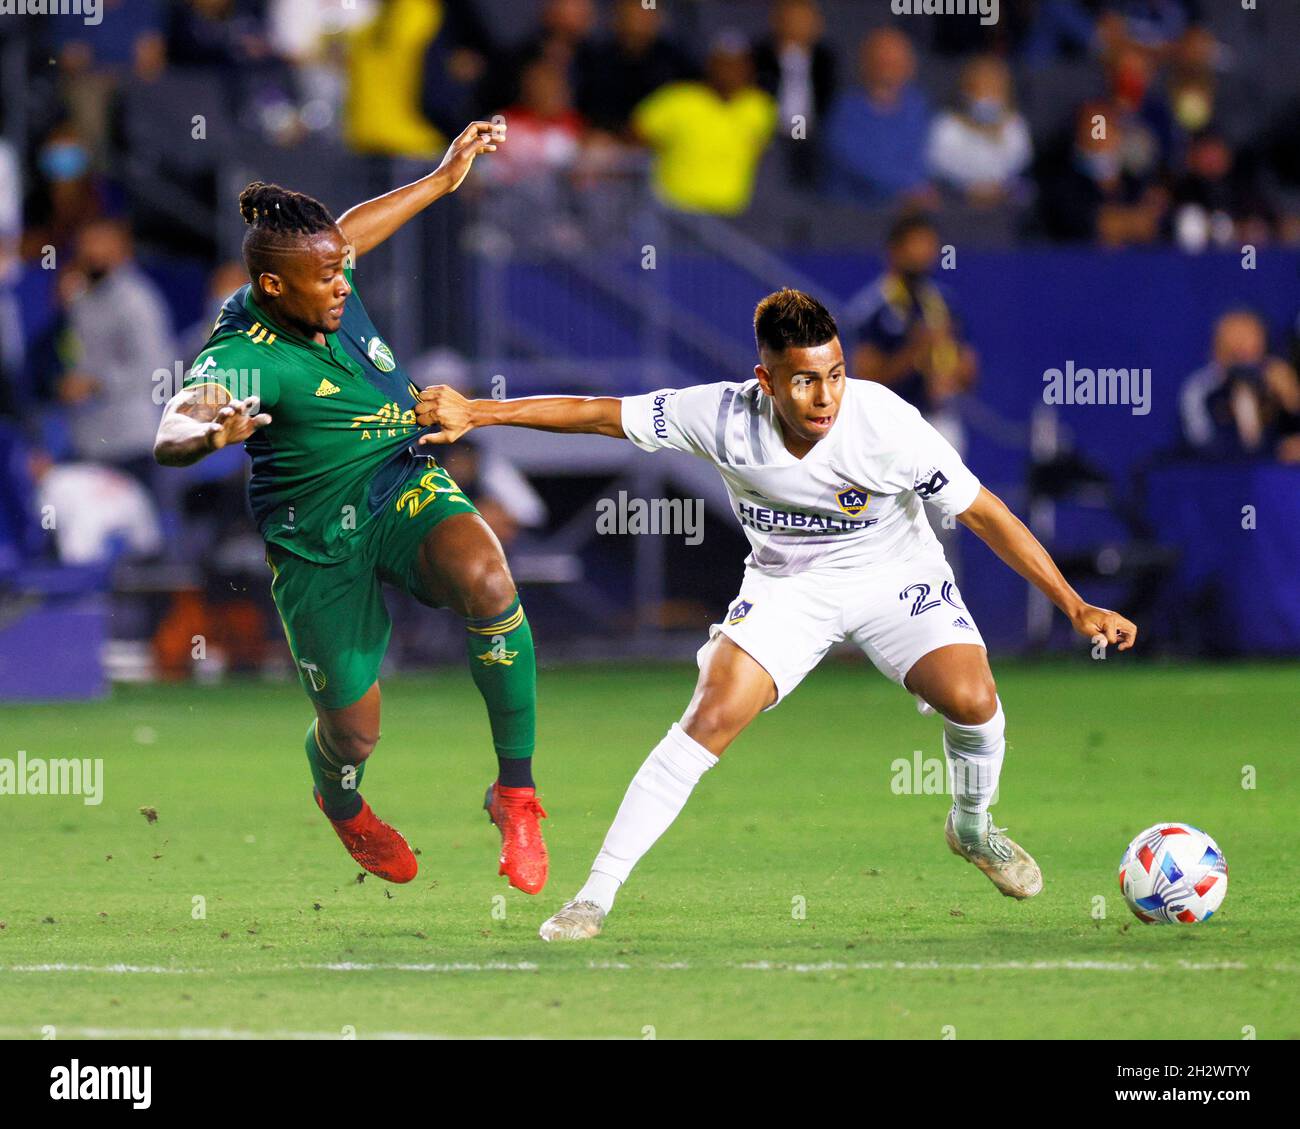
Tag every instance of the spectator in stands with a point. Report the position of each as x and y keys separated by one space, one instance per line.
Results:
x=127 y=43
x=619 y=73
x=1218 y=200
x=99 y=514
x=981 y=149
x=382 y=110
x=1138 y=108
x=119 y=338
x=310 y=36
x=545 y=130
x=708 y=137
x=457 y=64
x=878 y=131
x=908 y=336
x=564 y=38
x=1088 y=197
x=796 y=66
x=67 y=193
x=1244 y=402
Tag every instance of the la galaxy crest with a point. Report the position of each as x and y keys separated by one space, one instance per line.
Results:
x=853 y=500
x=739 y=612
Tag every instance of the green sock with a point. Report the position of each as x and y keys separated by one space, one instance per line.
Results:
x=504 y=668
x=337 y=783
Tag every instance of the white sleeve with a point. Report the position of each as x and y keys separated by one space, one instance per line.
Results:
x=684 y=419
x=939 y=476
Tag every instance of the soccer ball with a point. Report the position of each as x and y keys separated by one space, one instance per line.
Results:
x=1173 y=872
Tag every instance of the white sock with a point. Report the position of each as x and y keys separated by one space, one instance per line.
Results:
x=975 y=754
x=658 y=791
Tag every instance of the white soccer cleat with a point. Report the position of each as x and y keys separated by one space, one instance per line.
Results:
x=1006 y=863
x=574 y=921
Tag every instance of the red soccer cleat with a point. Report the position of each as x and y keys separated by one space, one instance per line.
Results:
x=379 y=848
x=516 y=813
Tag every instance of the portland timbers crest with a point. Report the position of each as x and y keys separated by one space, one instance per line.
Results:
x=853 y=499
x=381 y=356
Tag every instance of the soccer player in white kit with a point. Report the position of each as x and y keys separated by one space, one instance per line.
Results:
x=829 y=477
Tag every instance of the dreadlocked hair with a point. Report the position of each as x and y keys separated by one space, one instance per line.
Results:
x=277 y=218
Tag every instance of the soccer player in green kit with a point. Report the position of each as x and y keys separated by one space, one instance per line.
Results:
x=295 y=370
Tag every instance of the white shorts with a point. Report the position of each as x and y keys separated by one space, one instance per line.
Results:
x=896 y=614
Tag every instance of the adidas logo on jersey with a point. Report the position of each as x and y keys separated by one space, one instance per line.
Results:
x=327 y=388
x=960 y=621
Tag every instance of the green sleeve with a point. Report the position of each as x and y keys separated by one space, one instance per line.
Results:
x=238 y=367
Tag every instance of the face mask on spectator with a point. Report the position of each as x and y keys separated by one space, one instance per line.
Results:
x=1101 y=166
x=64 y=160
x=984 y=111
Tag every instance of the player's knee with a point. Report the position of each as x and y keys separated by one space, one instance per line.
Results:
x=972 y=702
x=487 y=589
x=349 y=744
x=713 y=724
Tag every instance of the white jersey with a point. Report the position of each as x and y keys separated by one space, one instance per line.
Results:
x=854 y=501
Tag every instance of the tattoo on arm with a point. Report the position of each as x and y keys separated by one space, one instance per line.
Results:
x=202 y=402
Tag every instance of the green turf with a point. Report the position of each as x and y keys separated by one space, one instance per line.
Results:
x=705 y=940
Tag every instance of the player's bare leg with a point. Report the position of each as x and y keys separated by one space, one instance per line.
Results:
x=462 y=567
x=731 y=691
x=956 y=681
x=338 y=745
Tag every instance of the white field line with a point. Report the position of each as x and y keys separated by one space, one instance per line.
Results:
x=14 y=1032
x=674 y=966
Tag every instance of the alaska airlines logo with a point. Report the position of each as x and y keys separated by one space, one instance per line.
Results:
x=390 y=420
x=853 y=499
x=381 y=356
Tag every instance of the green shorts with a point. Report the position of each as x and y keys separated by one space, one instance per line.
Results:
x=334 y=614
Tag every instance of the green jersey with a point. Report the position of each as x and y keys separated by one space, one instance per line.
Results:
x=341 y=439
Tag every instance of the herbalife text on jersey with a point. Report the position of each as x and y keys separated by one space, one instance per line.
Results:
x=90 y=11
x=987 y=10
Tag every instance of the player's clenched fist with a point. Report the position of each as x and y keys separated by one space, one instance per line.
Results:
x=1101 y=624
x=446 y=408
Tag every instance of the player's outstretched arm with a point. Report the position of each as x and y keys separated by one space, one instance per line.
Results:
x=994 y=524
x=446 y=408
x=203 y=419
x=368 y=224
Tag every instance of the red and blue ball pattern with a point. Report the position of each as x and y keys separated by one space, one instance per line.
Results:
x=1173 y=872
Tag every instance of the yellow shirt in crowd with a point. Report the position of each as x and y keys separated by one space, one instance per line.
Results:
x=385 y=72
x=707 y=148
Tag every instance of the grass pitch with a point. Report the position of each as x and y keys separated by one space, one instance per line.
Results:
x=800 y=894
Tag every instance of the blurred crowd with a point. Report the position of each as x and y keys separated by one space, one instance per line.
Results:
x=1161 y=140
x=1157 y=141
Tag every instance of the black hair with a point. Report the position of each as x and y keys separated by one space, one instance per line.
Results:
x=906 y=224
x=277 y=218
x=791 y=319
